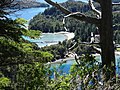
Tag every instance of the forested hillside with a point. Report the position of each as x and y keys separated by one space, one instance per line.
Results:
x=51 y=20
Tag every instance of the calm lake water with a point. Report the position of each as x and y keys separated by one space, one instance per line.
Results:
x=31 y=12
x=26 y=13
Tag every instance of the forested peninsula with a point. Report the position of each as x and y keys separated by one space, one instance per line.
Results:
x=28 y=4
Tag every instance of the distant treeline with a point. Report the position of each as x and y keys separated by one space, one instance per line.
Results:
x=24 y=4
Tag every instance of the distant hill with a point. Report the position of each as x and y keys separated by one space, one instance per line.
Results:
x=28 y=4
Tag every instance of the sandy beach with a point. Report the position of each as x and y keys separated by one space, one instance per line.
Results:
x=61 y=60
x=72 y=58
x=67 y=34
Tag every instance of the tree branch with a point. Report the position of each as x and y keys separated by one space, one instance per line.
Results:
x=78 y=16
x=116 y=3
x=76 y=59
x=94 y=9
x=96 y=49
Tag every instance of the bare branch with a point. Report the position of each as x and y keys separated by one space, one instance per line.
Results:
x=71 y=14
x=116 y=3
x=94 y=9
x=72 y=46
x=76 y=59
x=96 y=49
x=79 y=16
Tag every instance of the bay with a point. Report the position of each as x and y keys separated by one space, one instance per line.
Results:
x=31 y=12
x=47 y=39
x=26 y=13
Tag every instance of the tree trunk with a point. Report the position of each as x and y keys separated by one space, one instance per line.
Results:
x=106 y=35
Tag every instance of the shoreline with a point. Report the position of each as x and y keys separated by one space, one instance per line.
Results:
x=68 y=35
x=59 y=61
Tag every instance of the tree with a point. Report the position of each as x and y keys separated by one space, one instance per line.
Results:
x=14 y=50
x=104 y=23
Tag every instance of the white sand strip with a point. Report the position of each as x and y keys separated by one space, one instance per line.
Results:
x=61 y=60
x=117 y=53
x=68 y=34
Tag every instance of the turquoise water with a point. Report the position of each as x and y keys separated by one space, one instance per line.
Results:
x=47 y=39
x=65 y=67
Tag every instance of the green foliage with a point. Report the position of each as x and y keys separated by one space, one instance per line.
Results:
x=58 y=51
x=4 y=82
x=32 y=33
x=86 y=65
x=33 y=77
x=15 y=51
x=48 y=24
x=20 y=21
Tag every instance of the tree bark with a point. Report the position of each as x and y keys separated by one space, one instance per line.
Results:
x=106 y=35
